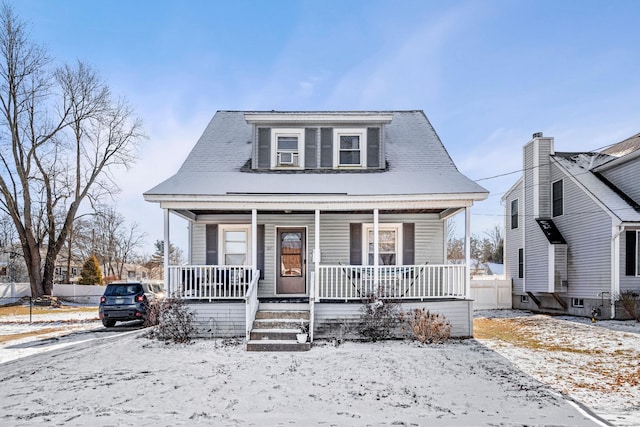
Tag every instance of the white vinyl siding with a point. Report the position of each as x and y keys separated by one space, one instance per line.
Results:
x=587 y=229
x=514 y=238
x=626 y=177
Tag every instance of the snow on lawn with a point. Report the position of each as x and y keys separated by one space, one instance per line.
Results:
x=596 y=364
x=132 y=380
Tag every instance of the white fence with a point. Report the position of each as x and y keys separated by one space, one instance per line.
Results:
x=81 y=294
x=490 y=293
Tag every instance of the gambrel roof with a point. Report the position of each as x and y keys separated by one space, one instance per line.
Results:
x=417 y=163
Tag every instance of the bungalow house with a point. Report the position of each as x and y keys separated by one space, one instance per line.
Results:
x=305 y=215
x=572 y=228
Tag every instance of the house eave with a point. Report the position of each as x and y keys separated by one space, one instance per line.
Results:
x=331 y=117
x=336 y=202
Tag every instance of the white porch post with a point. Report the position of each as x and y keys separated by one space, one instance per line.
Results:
x=615 y=268
x=254 y=239
x=316 y=248
x=167 y=281
x=467 y=251
x=376 y=228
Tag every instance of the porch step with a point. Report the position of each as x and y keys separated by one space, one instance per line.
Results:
x=281 y=314
x=275 y=328
x=277 y=345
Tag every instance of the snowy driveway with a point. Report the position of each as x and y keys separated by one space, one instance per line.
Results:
x=132 y=380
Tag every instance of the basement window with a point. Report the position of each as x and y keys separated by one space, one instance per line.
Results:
x=577 y=302
x=524 y=299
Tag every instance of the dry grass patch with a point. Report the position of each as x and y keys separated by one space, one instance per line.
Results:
x=517 y=333
x=17 y=310
x=38 y=333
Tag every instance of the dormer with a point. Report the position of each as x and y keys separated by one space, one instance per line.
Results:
x=293 y=141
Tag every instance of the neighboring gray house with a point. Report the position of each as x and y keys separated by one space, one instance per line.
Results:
x=312 y=212
x=572 y=224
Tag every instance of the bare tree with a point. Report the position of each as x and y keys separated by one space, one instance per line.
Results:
x=62 y=135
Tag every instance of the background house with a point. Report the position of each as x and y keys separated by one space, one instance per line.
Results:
x=571 y=231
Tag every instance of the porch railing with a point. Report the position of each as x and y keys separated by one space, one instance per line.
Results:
x=252 y=304
x=210 y=282
x=351 y=282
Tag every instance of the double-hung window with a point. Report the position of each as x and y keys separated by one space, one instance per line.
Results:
x=287 y=148
x=514 y=213
x=234 y=244
x=557 y=196
x=389 y=244
x=350 y=148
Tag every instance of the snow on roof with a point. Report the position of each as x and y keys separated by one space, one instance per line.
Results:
x=418 y=163
x=625 y=147
x=580 y=166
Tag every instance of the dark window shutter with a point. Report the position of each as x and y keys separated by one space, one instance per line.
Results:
x=355 y=244
x=260 y=251
x=630 y=251
x=408 y=244
x=264 y=148
x=212 y=244
x=326 y=147
x=373 y=147
x=310 y=151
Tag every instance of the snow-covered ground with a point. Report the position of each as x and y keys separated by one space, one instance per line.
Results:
x=130 y=379
x=596 y=364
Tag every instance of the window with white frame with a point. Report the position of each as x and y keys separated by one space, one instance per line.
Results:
x=557 y=196
x=287 y=148
x=577 y=302
x=350 y=147
x=514 y=213
x=235 y=241
x=389 y=244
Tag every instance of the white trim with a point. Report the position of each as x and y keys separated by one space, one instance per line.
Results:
x=167 y=242
x=551 y=267
x=467 y=251
x=536 y=179
x=254 y=239
x=615 y=266
x=361 y=133
x=366 y=227
x=287 y=132
x=221 y=240
x=337 y=117
x=511 y=227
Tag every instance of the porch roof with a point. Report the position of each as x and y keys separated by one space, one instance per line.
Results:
x=417 y=164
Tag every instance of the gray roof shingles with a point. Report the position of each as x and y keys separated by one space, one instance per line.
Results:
x=418 y=163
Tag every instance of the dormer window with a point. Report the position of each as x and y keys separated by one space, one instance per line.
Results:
x=287 y=149
x=350 y=147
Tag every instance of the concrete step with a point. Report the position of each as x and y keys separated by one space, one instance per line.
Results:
x=277 y=345
x=279 y=323
x=282 y=314
x=274 y=334
x=284 y=306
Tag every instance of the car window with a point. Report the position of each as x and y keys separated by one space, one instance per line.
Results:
x=122 y=290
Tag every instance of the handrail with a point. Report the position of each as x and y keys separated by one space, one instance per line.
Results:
x=312 y=296
x=252 y=303
x=210 y=282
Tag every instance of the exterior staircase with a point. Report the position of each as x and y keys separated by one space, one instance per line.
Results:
x=276 y=326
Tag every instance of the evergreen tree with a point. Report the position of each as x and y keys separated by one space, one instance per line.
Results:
x=91 y=273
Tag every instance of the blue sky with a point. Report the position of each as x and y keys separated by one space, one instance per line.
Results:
x=488 y=74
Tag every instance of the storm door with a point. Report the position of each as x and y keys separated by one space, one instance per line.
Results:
x=291 y=261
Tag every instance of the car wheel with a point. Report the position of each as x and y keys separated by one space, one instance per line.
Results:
x=108 y=323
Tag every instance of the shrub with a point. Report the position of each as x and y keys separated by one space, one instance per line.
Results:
x=173 y=320
x=91 y=273
x=631 y=303
x=377 y=319
x=428 y=327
